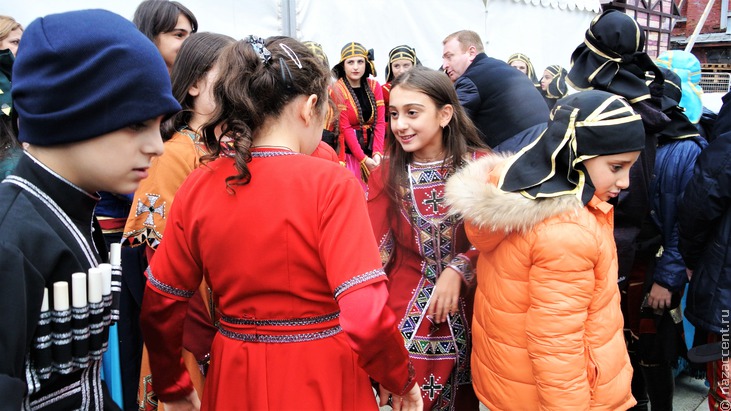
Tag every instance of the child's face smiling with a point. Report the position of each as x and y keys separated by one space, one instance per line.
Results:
x=610 y=174
x=417 y=123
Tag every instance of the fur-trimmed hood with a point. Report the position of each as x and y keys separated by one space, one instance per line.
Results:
x=470 y=193
x=545 y=267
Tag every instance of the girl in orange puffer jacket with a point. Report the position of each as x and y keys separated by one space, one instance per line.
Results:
x=547 y=327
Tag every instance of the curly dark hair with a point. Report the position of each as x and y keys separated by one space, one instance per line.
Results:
x=251 y=90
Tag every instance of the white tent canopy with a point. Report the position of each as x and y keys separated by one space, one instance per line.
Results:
x=545 y=30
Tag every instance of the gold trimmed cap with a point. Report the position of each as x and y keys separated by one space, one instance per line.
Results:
x=354 y=49
x=402 y=52
x=582 y=126
x=531 y=71
x=316 y=49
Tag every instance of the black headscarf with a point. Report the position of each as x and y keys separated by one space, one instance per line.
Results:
x=612 y=58
x=582 y=126
x=680 y=126
x=557 y=87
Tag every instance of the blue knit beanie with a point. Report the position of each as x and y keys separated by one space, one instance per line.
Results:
x=82 y=74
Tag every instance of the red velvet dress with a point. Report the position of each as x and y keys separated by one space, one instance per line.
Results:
x=303 y=308
x=350 y=121
x=386 y=89
x=430 y=241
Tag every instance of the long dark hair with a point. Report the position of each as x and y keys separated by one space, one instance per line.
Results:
x=196 y=57
x=459 y=137
x=252 y=88
x=8 y=136
x=153 y=17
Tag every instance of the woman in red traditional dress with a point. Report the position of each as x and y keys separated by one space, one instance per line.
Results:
x=362 y=119
x=303 y=318
x=424 y=249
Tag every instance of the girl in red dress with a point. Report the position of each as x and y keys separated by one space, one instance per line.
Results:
x=362 y=119
x=303 y=319
x=425 y=252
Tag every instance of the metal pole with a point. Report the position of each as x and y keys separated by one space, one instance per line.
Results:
x=289 y=18
x=699 y=26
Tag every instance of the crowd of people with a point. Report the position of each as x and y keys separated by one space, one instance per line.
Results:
x=466 y=235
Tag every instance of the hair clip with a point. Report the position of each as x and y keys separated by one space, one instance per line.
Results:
x=257 y=43
x=286 y=74
x=292 y=55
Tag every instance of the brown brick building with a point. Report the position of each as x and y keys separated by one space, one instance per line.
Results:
x=713 y=44
x=669 y=24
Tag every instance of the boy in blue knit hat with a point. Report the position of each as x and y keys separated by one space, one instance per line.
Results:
x=90 y=91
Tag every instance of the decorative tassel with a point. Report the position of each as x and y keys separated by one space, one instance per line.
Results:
x=365 y=173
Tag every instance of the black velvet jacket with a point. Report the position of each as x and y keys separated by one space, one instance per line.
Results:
x=499 y=99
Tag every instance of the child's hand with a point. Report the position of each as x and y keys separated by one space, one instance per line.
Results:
x=377 y=159
x=371 y=164
x=659 y=297
x=445 y=298
x=189 y=403
x=383 y=396
x=412 y=401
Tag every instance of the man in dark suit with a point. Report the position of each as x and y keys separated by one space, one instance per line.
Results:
x=499 y=99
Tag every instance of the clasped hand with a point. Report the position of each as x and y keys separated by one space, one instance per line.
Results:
x=412 y=401
x=445 y=298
